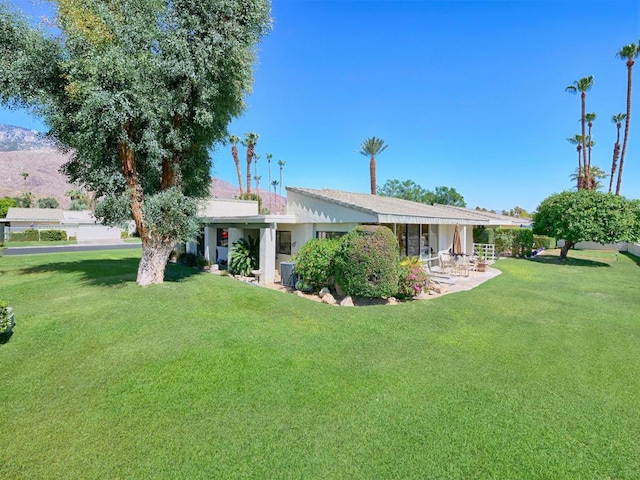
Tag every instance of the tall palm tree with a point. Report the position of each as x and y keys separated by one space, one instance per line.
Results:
x=269 y=157
x=577 y=140
x=281 y=165
x=590 y=117
x=250 y=140
x=234 y=153
x=583 y=86
x=629 y=53
x=370 y=148
x=274 y=184
x=617 y=119
x=257 y=179
x=256 y=157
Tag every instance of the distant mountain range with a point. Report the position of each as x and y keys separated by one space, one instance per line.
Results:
x=27 y=151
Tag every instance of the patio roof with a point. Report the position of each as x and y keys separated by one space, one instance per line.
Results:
x=395 y=210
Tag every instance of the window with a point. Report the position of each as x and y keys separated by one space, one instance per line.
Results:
x=330 y=234
x=283 y=242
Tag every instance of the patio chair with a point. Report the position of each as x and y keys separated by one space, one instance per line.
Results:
x=447 y=263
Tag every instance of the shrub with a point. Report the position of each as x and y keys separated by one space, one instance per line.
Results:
x=542 y=241
x=124 y=234
x=53 y=235
x=28 y=235
x=5 y=317
x=412 y=279
x=366 y=262
x=244 y=256
x=484 y=235
x=517 y=242
x=188 y=259
x=314 y=262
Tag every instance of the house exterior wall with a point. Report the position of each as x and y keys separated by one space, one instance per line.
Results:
x=311 y=210
x=219 y=207
x=97 y=234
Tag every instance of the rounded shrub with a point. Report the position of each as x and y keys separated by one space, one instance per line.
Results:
x=366 y=262
x=314 y=262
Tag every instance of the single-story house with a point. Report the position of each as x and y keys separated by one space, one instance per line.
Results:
x=422 y=230
x=79 y=224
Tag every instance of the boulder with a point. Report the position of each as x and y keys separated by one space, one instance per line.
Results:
x=323 y=292
x=392 y=301
x=346 y=302
x=329 y=300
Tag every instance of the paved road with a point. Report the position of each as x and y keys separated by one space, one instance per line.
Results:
x=68 y=248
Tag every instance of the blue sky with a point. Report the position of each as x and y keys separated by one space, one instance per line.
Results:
x=467 y=94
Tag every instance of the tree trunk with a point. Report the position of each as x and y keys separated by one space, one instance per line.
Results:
x=614 y=162
x=236 y=160
x=372 y=174
x=630 y=63
x=250 y=150
x=565 y=249
x=584 y=142
x=155 y=254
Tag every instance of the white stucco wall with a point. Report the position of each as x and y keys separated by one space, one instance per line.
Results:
x=311 y=210
x=220 y=207
x=634 y=249
x=98 y=234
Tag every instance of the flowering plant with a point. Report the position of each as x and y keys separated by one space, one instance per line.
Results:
x=413 y=278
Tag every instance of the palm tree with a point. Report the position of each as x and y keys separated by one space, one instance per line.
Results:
x=617 y=119
x=281 y=165
x=274 y=184
x=629 y=53
x=269 y=157
x=370 y=148
x=583 y=86
x=590 y=117
x=250 y=140
x=234 y=153
x=577 y=140
x=256 y=157
x=597 y=174
x=257 y=179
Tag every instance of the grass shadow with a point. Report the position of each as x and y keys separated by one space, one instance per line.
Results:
x=111 y=272
x=569 y=261
x=632 y=257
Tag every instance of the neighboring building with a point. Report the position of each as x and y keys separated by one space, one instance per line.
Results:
x=79 y=224
x=422 y=230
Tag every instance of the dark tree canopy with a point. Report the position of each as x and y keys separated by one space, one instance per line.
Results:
x=588 y=215
x=409 y=190
x=138 y=91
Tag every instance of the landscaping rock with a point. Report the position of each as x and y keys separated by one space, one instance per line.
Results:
x=323 y=292
x=329 y=300
x=339 y=291
x=392 y=301
x=422 y=296
x=298 y=293
x=347 y=302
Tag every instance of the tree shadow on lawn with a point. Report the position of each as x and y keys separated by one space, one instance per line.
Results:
x=112 y=272
x=569 y=261
x=631 y=257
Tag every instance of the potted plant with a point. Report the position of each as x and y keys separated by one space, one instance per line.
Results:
x=6 y=319
x=482 y=263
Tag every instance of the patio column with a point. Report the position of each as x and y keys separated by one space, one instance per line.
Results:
x=268 y=254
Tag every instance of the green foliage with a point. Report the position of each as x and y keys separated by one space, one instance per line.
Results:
x=48 y=202
x=484 y=235
x=124 y=234
x=171 y=214
x=542 y=241
x=25 y=200
x=366 y=262
x=52 y=235
x=409 y=190
x=517 y=242
x=244 y=256
x=252 y=196
x=588 y=215
x=137 y=92
x=412 y=278
x=5 y=317
x=314 y=262
x=5 y=204
x=29 y=235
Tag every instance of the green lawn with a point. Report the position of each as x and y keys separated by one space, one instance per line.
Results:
x=535 y=374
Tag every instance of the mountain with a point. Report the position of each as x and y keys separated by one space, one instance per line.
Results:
x=26 y=151
x=14 y=139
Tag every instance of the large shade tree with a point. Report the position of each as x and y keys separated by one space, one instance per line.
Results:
x=588 y=215
x=137 y=91
x=370 y=148
x=410 y=190
x=628 y=53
